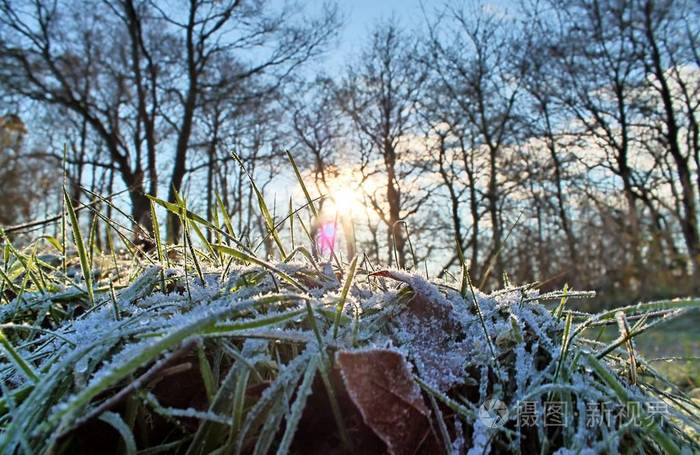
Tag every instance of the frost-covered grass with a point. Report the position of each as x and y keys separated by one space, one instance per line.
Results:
x=205 y=347
x=673 y=348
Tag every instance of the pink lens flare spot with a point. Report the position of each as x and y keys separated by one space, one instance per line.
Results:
x=325 y=239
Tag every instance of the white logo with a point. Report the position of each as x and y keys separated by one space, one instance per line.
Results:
x=493 y=413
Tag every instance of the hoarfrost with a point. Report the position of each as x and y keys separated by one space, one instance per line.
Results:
x=435 y=327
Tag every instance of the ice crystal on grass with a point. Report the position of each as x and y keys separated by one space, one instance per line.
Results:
x=480 y=438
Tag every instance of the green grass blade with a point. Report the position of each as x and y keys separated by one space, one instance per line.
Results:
x=153 y=350
x=64 y=226
x=289 y=375
x=343 y=295
x=335 y=407
x=209 y=433
x=256 y=323
x=115 y=304
x=238 y=405
x=219 y=237
x=6 y=251
x=640 y=308
x=562 y=303
x=625 y=333
x=267 y=217
x=207 y=374
x=214 y=257
x=26 y=263
x=306 y=230
x=450 y=403
x=19 y=433
x=188 y=241
x=619 y=390
x=226 y=216
x=16 y=396
x=20 y=364
x=54 y=242
x=178 y=210
x=265 y=437
x=248 y=258
x=82 y=253
x=8 y=282
x=92 y=239
x=481 y=318
x=39 y=271
x=290 y=216
x=155 y=225
x=302 y=394
x=309 y=200
x=160 y=251
x=565 y=341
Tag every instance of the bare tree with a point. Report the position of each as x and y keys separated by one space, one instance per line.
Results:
x=204 y=30
x=380 y=96
x=136 y=72
x=618 y=69
x=546 y=124
x=667 y=54
x=316 y=127
x=53 y=54
x=473 y=56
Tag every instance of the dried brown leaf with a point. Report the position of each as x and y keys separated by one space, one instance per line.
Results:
x=425 y=303
x=380 y=384
x=430 y=321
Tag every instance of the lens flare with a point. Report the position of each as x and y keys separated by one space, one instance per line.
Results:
x=325 y=239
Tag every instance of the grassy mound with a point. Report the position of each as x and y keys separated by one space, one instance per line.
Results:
x=205 y=347
x=303 y=357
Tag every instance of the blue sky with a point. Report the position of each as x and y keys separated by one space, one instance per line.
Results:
x=361 y=15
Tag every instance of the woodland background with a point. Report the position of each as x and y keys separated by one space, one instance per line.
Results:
x=558 y=141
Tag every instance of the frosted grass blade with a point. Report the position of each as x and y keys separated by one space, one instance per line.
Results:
x=82 y=254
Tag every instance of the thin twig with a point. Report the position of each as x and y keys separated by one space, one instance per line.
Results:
x=52 y=219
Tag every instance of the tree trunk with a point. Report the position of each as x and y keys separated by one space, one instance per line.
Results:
x=492 y=196
x=688 y=219
x=396 y=239
x=183 y=138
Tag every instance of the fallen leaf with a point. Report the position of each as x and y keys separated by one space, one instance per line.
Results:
x=430 y=330
x=427 y=302
x=380 y=384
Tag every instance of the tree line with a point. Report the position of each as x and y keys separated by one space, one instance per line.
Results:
x=557 y=142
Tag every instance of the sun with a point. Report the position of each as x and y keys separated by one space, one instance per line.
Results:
x=345 y=194
x=344 y=199
x=343 y=204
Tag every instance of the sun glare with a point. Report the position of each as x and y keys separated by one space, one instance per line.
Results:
x=342 y=206
x=345 y=199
